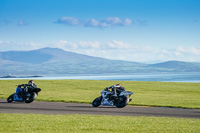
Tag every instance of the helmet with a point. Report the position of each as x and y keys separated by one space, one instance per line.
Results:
x=30 y=82
x=118 y=85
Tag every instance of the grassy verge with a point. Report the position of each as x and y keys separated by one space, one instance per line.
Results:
x=23 y=123
x=171 y=94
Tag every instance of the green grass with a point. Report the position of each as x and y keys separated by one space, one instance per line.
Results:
x=24 y=123
x=170 y=94
x=185 y=95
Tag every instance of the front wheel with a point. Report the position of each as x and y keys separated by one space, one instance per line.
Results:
x=121 y=102
x=31 y=98
x=97 y=102
x=10 y=98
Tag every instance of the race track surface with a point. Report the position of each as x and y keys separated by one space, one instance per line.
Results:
x=74 y=108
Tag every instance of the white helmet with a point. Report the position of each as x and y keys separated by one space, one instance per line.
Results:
x=30 y=82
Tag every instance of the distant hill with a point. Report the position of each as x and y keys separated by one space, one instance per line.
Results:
x=54 y=61
x=33 y=57
x=178 y=66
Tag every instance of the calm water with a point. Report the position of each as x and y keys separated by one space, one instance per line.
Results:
x=164 y=77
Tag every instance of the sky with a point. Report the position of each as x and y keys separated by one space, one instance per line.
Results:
x=131 y=30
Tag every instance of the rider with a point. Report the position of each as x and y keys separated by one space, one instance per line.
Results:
x=32 y=84
x=116 y=89
x=24 y=87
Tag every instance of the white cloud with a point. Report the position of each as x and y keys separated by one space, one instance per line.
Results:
x=127 y=22
x=72 y=46
x=188 y=50
x=108 y=22
x=96 y=45
x=119 y=45
x=104 y=23
x=70 y=21
x=113 y=21
x=92 y=23
x=66 y=45
x=181 y=53
x=89 y=44
x=12 y=46
x=194 y=50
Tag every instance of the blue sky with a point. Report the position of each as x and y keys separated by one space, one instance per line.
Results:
x=133 y=30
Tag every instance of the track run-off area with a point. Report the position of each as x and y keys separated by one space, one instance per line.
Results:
x=38 y=107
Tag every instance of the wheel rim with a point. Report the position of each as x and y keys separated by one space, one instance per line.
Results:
x=10 y=99
x=121 y=99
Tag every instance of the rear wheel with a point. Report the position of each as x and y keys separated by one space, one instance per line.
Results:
x=121 y=102
x=31 y=98
x=97 y=102
x=10 y=98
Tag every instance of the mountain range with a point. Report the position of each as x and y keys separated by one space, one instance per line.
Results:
x=54 y=61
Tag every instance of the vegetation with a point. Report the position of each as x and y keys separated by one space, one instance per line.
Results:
x=23 y=123
x=170 y=94
x=185 y=95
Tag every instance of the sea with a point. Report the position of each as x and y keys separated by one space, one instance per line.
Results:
x=162 y=77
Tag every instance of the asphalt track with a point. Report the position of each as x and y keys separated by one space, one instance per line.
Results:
x=74 y=108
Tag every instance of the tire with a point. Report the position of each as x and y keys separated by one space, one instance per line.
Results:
x=121 y=102
x=97 y=102
x=10 y=98
x=31 y=98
